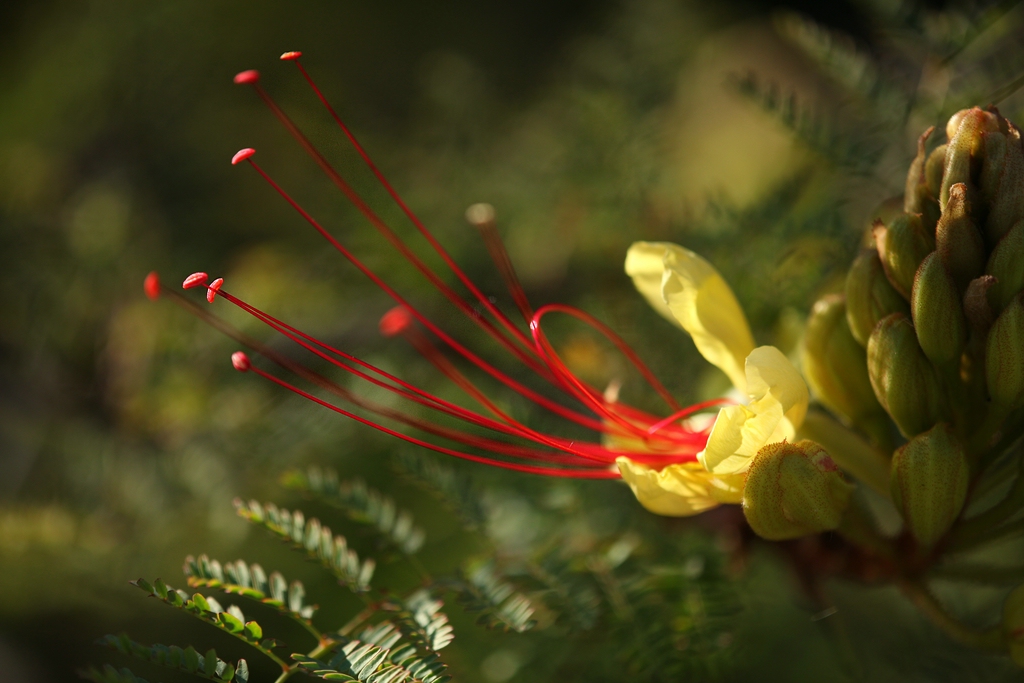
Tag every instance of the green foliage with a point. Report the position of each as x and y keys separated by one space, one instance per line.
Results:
x=499 y=605
x=362 y=504
x=230 y=620
x=250 y=581
x=207 y=666
x=453 y=488
x=109 y=674
x=317 y=540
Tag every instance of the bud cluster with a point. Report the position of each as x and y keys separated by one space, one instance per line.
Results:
x=932 y=321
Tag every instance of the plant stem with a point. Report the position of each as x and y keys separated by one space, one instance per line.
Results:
x=315 y=653
x=989 y=640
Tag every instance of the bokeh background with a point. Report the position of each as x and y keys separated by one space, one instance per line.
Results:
x=749 y=131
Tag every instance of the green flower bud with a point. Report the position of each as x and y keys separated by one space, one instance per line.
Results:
x=938 y=313
x=1004 y=356
x=901 y=247
x=869 y=296
x=835 y=365
x=917 y=198
x=976 y=305
x=904 y=381
x=964 y=129
x=991 y=166
x=793 y=490
x=1007 y=204
x=1013 y=624
x=958 y=241
x=1006 y=265
x=930 y=475
x=933 y=168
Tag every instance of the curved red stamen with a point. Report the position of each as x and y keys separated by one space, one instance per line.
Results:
x=151 y=286
x=247 y=77
x=240 y=361
x=211 y=291
x=194 y=280
x=241 y=155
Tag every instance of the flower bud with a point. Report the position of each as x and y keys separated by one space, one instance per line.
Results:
x=834 y=364
x=792 y=490
x=933 y=168
x=1013 y=624
x=958 y=241
x=902 y=245
x=930 y=475
x=964 y=142
x=916 y=196
x=1007 y=204
x=903 y=379
x=1004 y=356
x=938 y=314
x=869 y=296
x=1006 y=265
x=991 y=166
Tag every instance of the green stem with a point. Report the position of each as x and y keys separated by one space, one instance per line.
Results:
x=849 y=450
x=315 y=653
x=358 y=619
x=989 y=640
x=858 y=527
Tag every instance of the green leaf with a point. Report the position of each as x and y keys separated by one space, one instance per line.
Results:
x=315 y=539
x=362 y=504
x=253 y=630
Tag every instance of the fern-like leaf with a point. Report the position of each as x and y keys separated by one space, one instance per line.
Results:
x=356 y=661
x=250 y=581
x=230 y=620
x=420 y=619
x=424 y=669
x=453 y=488
x=207 y=666
x=498 y=603
x=109 y=674
x=317 y=540
x=362 y=504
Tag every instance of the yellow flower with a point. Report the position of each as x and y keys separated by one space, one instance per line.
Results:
x=688 y=291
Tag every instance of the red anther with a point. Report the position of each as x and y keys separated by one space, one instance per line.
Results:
x=395 y=321
x=291 y=56
x=241 y=155
x=194 y=280
x=151 y=285
x=240 y=361
x=247 y=77
x=211 y=291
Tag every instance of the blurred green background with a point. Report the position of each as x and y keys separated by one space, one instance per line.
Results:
x=588 y=124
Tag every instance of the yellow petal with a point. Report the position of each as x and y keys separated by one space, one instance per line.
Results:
x=679 y=490
x=697 y=298
x=778 y=405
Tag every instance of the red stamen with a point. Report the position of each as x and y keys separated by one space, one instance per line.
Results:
x=151 y=286
x=247 y=77
x=529 y=469
x=194 y=280
x=395 y=321
x=441 y=251
x=423 y=320
x=241 y=155
x=211 y=291
x=396 y=242
x=240 y=361
x=481 y=216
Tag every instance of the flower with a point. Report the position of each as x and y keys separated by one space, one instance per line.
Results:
x=687 y=290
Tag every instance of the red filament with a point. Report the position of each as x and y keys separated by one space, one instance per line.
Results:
x=508 y=443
